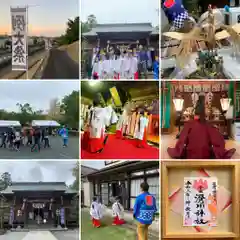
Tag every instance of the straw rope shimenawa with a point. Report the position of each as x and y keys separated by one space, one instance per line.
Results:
x=205 y=31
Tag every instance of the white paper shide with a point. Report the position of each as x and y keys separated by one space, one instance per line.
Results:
x=200 y=201
x=19 y=38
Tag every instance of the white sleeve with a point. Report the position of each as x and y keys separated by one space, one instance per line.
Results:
x=114 y=117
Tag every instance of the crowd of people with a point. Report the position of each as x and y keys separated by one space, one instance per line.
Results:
x=122 y=63
x=99 y=118
x=144 y=211
x=13 y=138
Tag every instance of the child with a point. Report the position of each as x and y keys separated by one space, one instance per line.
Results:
x=96 y=213
x=118 y=211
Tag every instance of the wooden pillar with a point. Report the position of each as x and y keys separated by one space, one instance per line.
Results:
x=128 y=191
x=98 y=42
x=148 y=41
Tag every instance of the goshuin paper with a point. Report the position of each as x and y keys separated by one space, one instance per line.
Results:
x=200 y=201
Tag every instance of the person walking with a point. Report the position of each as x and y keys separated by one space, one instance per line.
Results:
x=46 y=139
x=37 y=137
x=64 y=134
x=144 y=211
x=17 y=141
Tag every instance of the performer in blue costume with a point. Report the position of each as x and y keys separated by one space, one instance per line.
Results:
x=175 y=12
x=144 y=210
x=63 y=132
x=156 y=68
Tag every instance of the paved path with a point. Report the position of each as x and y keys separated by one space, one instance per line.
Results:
x=13 y=236
x=60 y=66
x=57 y=151
x=68 y=235
x=41 y=235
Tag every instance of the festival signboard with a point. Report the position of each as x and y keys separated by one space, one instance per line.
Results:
x=19 y=39
x=200 y=200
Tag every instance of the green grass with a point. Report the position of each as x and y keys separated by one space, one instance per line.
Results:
x=105 y=232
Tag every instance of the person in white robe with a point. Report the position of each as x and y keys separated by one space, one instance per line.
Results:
x=94 y=55
x=117 y=68
x=141 y=131
x=134 y=67
x=96 y=213
x=119 y=126
x=126 y=67
x=117 y=212
x=122 y=66
x=100 y=118
x=106 y=69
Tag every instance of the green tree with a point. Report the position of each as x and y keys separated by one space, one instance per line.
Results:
x=72 y=32
x=25 y=108
x=75 y=173
x=70 y=110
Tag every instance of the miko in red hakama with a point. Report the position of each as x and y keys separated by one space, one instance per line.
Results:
x=118 y=211
x=96 y=144
x=136 y=76
x=142 y=143
x=85 y=139
x=141 y=133
x=96 y=213
x=96 y=223
x=118 y=221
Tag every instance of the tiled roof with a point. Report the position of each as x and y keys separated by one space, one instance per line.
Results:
x=85 y=170
x=120 y=27
x=36 y=186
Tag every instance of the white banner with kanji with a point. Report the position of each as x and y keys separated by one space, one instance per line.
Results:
x=19 y=38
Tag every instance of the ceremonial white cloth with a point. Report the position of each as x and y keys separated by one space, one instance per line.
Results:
x=139 y=134
x=117 y=210
x=126 y=67
x=96 y=210
x=99 y=119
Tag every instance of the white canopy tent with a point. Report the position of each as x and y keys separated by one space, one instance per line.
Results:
x=6 y=123
x=45 y=123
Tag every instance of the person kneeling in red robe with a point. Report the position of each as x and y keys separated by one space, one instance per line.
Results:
x=199 y=139
x=118 y=211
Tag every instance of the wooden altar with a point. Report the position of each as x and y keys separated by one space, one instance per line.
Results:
x=186 y=89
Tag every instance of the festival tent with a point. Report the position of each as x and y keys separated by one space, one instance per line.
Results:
x=45 y=123
x=6 y=123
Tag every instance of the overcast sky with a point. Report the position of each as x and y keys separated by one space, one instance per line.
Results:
x=93 y=164
x=123 y=11
x=35 y=171
x=45 y=17
x=37 y=93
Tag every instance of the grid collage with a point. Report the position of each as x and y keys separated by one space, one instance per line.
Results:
x=104 y=151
